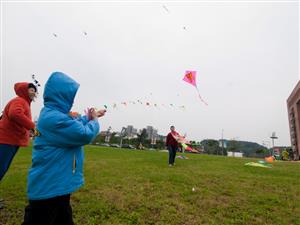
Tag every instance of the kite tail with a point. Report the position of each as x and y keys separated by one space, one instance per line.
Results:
x=201 y=97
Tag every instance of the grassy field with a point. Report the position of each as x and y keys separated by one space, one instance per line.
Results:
x=137 y=187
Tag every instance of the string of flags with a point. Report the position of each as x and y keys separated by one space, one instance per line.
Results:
x=123 y=104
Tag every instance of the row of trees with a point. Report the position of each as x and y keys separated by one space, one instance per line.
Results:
x=248 y=149
x=209 y=146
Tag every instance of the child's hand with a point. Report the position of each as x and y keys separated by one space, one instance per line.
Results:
x=31 y=133
x=101 y=113
x=34 y=133
x=96 y=114
x=92 y=114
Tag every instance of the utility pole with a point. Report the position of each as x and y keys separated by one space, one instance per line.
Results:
x=222 y=141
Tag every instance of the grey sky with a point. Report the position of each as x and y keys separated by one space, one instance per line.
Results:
x=246 y=56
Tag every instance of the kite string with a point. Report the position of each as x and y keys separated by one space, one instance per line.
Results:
x=200 y=96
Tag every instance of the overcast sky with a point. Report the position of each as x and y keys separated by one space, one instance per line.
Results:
x=246 y=56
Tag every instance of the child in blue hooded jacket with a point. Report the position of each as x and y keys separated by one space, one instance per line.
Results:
x=57 y=156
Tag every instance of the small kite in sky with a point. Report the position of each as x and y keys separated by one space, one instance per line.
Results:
x=165 y=7
x=85 y=33
x=54 y=34
x=190 y=77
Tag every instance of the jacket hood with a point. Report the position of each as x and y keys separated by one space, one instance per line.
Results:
x=21 y=90
x=60 y=91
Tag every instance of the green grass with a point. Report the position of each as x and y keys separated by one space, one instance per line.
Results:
x=138 y=187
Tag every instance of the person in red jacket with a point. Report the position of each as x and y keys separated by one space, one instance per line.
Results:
x=172 y=145
x=15 y=125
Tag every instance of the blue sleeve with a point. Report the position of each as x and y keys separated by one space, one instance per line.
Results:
x=76 y=133
x=83 y=119
x=72 y=132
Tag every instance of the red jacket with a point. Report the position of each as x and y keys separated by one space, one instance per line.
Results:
x=16 y=119
x=171 y=140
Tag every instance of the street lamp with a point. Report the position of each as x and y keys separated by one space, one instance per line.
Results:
x=107 y=136
x=122 y=134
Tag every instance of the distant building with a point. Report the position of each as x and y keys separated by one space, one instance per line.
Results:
x=293 y=105
x=151 y=133
x=131 y=131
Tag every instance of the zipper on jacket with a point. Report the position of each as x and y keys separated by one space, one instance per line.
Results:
x=74 y=164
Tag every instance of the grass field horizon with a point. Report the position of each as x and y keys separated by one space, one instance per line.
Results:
x=138 y=187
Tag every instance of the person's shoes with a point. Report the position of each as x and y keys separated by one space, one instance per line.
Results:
x=1 y=205
x=170 y=165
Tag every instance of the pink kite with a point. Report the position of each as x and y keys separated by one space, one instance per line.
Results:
x=190 y=77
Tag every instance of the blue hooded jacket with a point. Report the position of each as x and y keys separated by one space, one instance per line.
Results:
x=57 y=156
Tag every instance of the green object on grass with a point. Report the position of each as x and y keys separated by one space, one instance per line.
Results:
x=258 y=164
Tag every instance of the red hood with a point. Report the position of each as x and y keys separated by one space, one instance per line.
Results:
x=21 y=90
